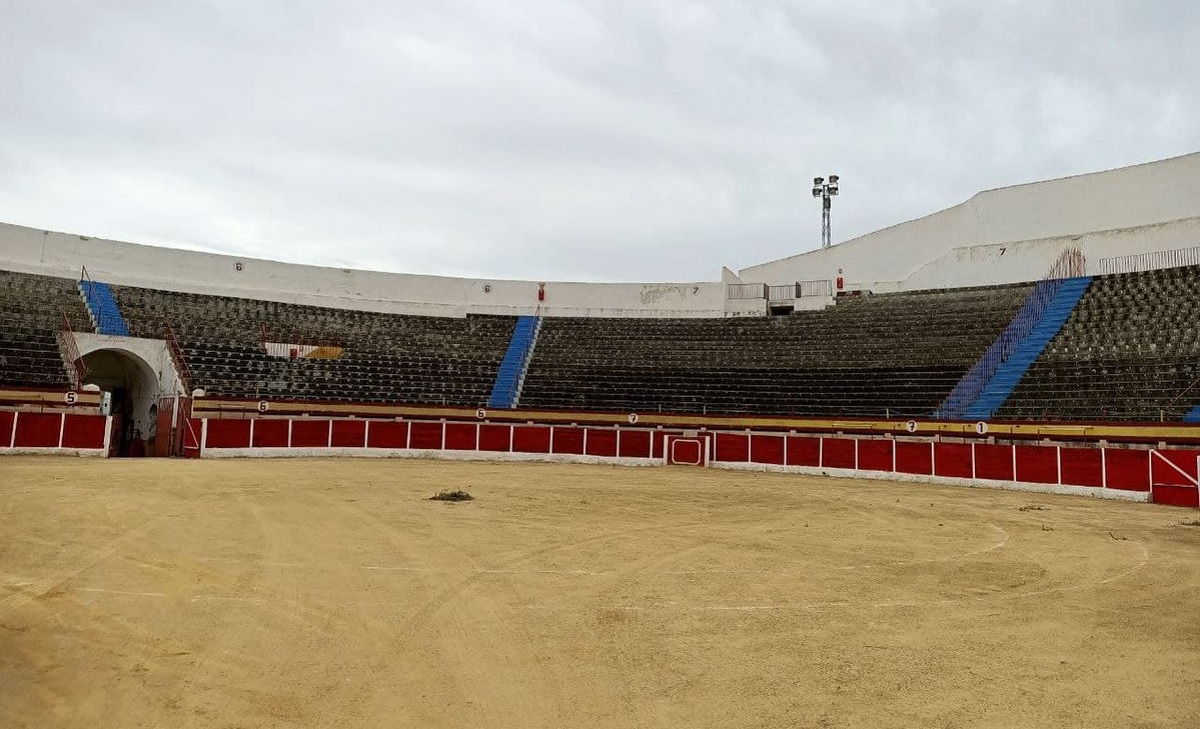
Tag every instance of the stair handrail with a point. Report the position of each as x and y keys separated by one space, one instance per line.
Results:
x=1178 y=397
x=1071 y=263
x=176 y=351
x=72 y=346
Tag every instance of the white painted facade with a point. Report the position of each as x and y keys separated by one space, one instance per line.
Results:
x=1015 y=233
x=998 y=236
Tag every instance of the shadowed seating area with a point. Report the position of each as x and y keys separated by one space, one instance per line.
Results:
x=893 y=354
x=385 y=357
x=31 y=315
x=1129 y=351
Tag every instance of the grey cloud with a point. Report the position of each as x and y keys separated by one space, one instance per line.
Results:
x=565 y=140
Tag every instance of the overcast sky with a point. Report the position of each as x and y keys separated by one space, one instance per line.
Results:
x=573 y=140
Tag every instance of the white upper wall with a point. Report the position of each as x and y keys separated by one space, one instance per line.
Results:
x=61 y=254
x=999 y=236
x=1015 y=233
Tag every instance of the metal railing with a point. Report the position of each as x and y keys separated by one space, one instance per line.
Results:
x=181 y=368
x=746 y=291
x=781 y=292
x=1150 y=261
x=72 y=351
x=1070 y=263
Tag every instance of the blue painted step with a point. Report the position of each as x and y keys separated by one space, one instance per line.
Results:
x=507 y=388
x=103 y=307
x=1193 y=415
x=970 y=387
x=1010 y=372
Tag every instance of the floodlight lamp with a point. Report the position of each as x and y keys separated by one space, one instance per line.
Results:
x=833 y=179
x=816 y=192
x=833 y=190
x=818 y=180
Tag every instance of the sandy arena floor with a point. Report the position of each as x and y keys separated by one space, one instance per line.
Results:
x=334 y=594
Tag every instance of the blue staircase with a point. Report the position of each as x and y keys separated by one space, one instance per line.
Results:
x=106 y=315
x=506 y=391
x=970 y=387
x=1013 y=368
x=1193 y=415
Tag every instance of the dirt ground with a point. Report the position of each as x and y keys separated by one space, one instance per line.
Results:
x=333 y=593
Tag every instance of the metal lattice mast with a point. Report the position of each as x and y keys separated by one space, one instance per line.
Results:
x=826 y=191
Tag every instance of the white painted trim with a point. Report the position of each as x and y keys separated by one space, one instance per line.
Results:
x=81 y=452
x=1057 y=463
x=1103 y=468
x=291 y=421
x=856 y=453
x=203 y=444
x=443 y=436
x=62 y=428
x=1118 y=494
x=434 y=454
x=108 y=422
x=973 y=476
x=252 y=431
x=1169 y=462
x=366 y=433
x=407 y=434
x=12 y=437
x=328 y=436
x=821 y=451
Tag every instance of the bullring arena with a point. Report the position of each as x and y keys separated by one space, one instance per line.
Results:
x=955 y=486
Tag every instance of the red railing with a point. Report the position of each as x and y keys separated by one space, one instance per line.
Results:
x=181 y=368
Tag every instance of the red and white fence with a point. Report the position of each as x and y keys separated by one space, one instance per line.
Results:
x=1164 y=476
x=59 y=433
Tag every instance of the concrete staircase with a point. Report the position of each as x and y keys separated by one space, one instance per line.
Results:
x=1013 y=368
x=102 y=306
x=506 y=392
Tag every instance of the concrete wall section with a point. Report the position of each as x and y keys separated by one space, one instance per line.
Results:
x=1015 y=233
x=61 y=254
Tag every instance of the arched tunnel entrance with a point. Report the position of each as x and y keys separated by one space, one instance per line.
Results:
x=131 y=389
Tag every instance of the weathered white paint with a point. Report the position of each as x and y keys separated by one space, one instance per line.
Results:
x=154 y=375
x=1015 y=233
x=60 y=254
x=998 y=236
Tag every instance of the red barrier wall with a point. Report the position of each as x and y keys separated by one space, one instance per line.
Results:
x=1037 y=464
x=767 y=449
x=387 y=434
x=875 y=455
x=1173 y=473
x=84 y=431
x=310 y=433
x=38 y=430
x=837 y=453
x=601 y=442
x=350 y=433
x=732 y=448
x=915 y=458
x=1128 y=469
x=6 y=427
x=803 y=451
x=1082 y=466
x=634 y=444
x=461 y=436
x=531 y=439
x=568 y=440
x=994 y=462
x=270 y=433
x=952 y=460
x=227 y=434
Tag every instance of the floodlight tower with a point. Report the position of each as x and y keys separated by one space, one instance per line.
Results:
x=826 y=191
